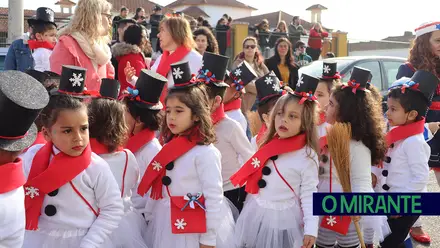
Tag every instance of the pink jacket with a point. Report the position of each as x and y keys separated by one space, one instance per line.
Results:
x=68 y=52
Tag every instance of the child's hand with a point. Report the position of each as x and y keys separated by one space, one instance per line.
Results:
x=129 y=72
x=373 y=180
x=206 y=246
x=433 y=127
x=355 y=218
x=308 y=241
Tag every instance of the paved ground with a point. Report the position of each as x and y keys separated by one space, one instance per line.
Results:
x=431 y=224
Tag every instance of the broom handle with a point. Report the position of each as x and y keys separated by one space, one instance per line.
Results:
x=359 y=233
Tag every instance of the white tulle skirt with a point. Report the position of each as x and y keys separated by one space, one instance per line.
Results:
x=54 y=238
x=159 y=233
x=264 y=224
x=130 y=232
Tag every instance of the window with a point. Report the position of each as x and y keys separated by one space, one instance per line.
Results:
x=374 y=67
x=391 y=68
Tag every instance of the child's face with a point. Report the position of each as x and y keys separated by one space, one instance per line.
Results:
x=70 y=132
x=322 y=94
x=288 y=120
x=331 y=110
x=396 y=113
x=230 y=94
x=49 y=36
x=179 y=117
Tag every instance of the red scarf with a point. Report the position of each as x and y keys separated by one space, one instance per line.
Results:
x=11 y=176
x=156 y=169
x=218 y=114
x=139 y=140
x=165 y=65
x=252 y=171
x=46 y=176
x=100 y=148
x=260 y=134
x=405 y=131
x=321 y=118
x=34 y=44
x=233 y=105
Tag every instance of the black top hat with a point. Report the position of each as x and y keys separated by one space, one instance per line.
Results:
x=44 y=15
x=329 y=71
x=423 y=81
x=268 y=86
x=306 y=87
x=157 y=8
x=40 y=76
x=149 y=87
x=182 y=75
x=109 y=88
x=360 y=76
x=72 y=82
x=213 y=69
x=21 y=103
x=227 y=77
x=242 y=75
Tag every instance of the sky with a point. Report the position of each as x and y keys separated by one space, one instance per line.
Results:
x=363 y=20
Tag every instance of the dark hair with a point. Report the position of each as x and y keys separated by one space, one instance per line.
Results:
x=365 y=116
x=123 y=8
x=422 y=57
x=330 y=55
x=195 y=99
x=212 y=41
x=221 y=19
x=41 y=28
x=266 y=107
x=109 y=114
x=295 y=18
x=225 y=16
x=258 y=57
x=57 y=104
x=200 y=19
x=298 y=44
x=133 y=35
x=205 y=23
x=375 y=92
x=330 y=83
x=151 y=118
x=136 y=16
x=410 y=100
x=289 y=60
x=230 y=19
x=213 y=91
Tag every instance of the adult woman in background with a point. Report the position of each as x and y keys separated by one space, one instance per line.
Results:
x=315 y=41
x=205 y=41
x=84 y=42
x=140 y=17
x=425 y=55
x=253 y=56
x=283 y=64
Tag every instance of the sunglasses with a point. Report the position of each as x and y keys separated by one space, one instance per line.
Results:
x=250 y=46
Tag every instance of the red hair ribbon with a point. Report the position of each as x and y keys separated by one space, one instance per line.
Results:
x=353 y=85
x=237 y=83
x=91 y=93
x=206 y=77
x=305 y=96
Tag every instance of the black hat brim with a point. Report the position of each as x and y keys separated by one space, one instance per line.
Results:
x=32 y=22
x=20 y=144
x=55 y=92
x=180 y=87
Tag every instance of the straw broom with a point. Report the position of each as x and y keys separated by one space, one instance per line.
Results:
x=338 y=137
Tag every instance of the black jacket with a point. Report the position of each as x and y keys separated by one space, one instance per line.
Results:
x=272 y=65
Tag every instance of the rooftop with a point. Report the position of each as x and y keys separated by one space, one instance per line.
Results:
x=227 y=3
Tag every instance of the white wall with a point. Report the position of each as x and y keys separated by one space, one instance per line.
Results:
x=215 y=12
x=401 y=52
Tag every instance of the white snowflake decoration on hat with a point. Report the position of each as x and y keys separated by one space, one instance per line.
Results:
x=237 y=72
x=268 y=80
x=32 y=192
x=177 y=73
x=276 y=87
x=300 y=81
x=76 y=79
x=48 y=11
x=327 y=69
x=331 y=220
x=180 y=223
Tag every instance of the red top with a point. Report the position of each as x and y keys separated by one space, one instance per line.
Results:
x=315 y=38
x=136 y=60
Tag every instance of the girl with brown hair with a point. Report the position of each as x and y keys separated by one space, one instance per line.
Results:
x=205 y=41
x=425 y=55
x=184 y=179
x=282 y=176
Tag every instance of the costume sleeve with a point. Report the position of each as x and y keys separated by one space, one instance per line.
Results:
x=60 y=56
x=110 y=70
x=418 y=156
x=10 y=60
x=360 y=168
x=111 y=209
x=240 y=143
x=208 y=166
x=309 y=185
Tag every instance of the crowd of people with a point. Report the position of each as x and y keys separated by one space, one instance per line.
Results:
x=162 y=156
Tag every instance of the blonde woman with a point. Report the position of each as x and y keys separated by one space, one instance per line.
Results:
x=84 y=42
x=252 y=55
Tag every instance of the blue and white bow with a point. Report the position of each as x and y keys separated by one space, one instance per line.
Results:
x=206 y=76
x=191 y=199
x=133 y=92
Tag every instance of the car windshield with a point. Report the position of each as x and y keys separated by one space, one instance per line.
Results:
x=315 y=68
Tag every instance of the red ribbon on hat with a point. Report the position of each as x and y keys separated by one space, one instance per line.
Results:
x=13 y=137
x=190 y=82
x=91 y=93
x=305 y=96
x=336 y=76
x=353 y=85
x=411 y=85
